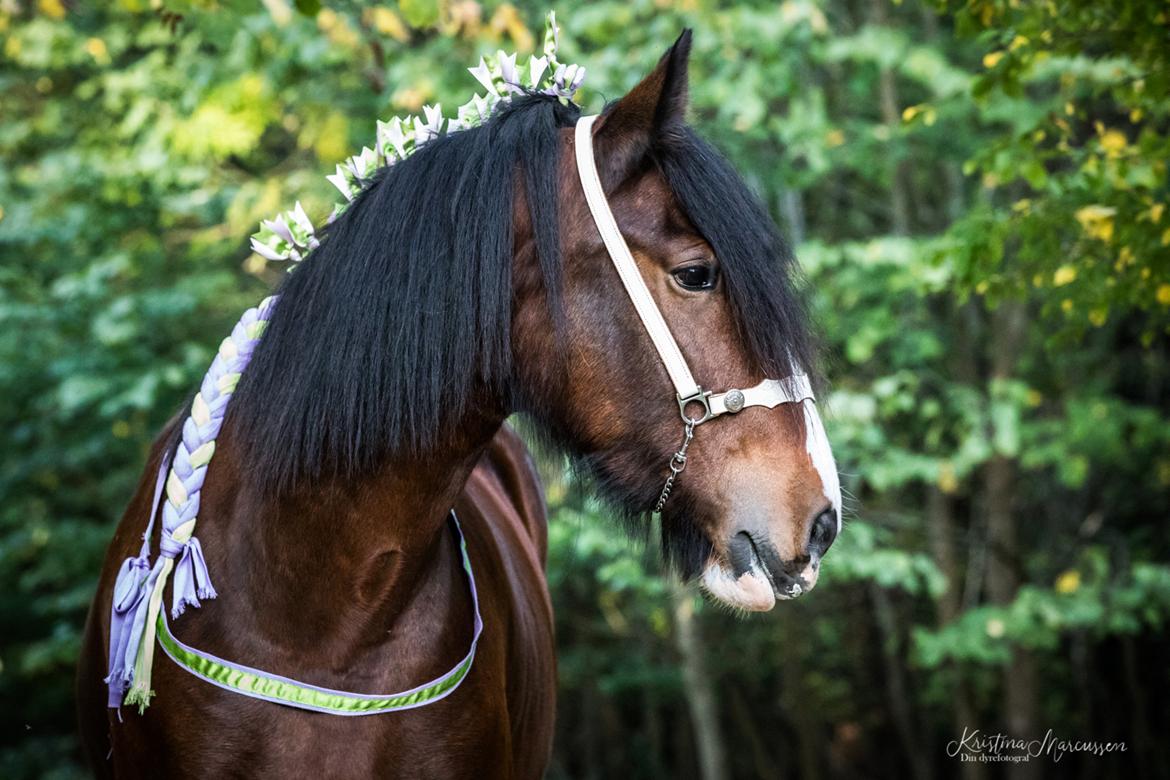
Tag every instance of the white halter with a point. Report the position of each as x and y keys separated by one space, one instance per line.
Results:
x=768 y=393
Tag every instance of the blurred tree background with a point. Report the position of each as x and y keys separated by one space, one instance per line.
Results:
x=978 y=193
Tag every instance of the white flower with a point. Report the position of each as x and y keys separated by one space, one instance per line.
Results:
x=390 y=136
x=278 y=227
x=266 y=251
x=484 y=76
x=508 y=73
x=536 y=68
x=341 y=181
x=434 y=123
x=302 y=219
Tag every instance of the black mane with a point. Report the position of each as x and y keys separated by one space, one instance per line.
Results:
x=406 y=304
x=405 y=308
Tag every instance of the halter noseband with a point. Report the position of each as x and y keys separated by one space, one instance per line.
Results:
x=768 y=393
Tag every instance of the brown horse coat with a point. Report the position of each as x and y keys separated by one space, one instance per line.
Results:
x=507 y=701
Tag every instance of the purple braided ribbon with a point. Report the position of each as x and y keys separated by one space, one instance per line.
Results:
x=137 y=581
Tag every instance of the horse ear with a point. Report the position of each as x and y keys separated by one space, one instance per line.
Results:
x=626 y=131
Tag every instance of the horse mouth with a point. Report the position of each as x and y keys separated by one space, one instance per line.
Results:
x=746 y=580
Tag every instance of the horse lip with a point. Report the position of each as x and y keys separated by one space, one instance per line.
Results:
x=759 y=559
x=744 y=561
x=793 y=586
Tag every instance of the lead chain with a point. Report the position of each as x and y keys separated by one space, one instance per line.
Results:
x=678 y=462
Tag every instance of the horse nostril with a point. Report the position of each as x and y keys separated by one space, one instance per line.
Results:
x=823 y=533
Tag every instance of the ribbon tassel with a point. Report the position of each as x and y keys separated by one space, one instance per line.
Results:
x=192 y=581
x=129 y=600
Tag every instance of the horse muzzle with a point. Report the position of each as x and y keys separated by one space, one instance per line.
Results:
x=752 y=574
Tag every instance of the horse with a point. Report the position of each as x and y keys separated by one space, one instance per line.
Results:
x=466 y=284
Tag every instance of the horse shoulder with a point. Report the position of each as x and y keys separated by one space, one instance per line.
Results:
x=503 y=511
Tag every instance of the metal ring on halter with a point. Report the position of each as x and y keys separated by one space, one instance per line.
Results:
x=703 y=398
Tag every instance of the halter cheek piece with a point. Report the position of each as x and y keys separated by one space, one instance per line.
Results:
x=695 y=405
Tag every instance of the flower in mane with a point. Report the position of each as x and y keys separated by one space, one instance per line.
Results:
x=291 y=235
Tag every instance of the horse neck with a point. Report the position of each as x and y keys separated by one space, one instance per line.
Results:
x=344 y=559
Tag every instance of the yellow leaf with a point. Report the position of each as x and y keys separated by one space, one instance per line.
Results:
x=52 y=8
x=1066 y=305
x=1136 y=115
x=1097 y=221
x=1098 y=317
x=331 y=140
x=1068 y=582
x=1017 y=42
x=834 y=138
x=1113 y=142
x=948 y=482
x=991 y=59
x=1163 y=294
x=389 y=23
x=1069 y=108
x=96 y=48
x=255 y=264
x=1066 y=274
x=1156 y=212
x=910 y=112
x=507 y=19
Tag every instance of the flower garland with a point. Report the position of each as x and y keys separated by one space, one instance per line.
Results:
x=291 y=235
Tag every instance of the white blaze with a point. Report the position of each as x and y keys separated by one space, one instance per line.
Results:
x=821 y=455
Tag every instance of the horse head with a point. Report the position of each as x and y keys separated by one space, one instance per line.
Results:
x=757 y=502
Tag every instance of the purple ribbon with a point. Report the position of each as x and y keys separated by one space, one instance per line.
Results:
x=128 y=614
x=191 y=578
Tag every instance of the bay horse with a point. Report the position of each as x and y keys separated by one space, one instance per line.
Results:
x=467 y=283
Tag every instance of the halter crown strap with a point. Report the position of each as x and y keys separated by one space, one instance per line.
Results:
x=769 y=393
x=623 y=261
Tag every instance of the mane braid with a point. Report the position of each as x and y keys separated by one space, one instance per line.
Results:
x=403 y=312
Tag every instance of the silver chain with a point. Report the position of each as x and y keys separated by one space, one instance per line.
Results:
x=678 y=462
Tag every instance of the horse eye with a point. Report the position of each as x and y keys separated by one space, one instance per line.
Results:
x=696 y=277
